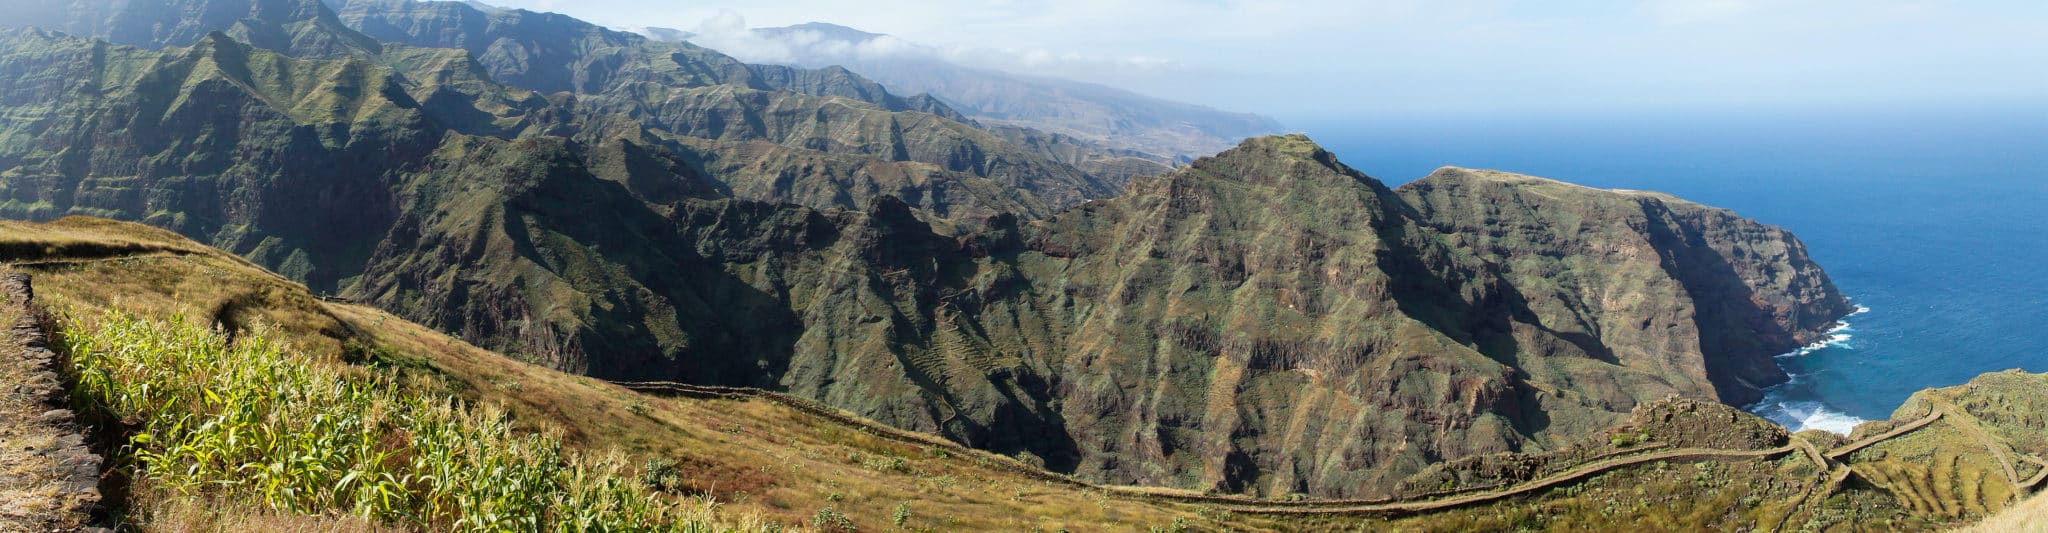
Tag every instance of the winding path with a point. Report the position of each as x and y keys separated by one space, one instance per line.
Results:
x=1834 y=474
x=1567 y=476
x=1824 y=485
x=1969 y=425
x=1850 y=448
x=2039 y=476
x=1233 y=503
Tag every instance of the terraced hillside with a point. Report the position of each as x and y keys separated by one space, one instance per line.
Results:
x=750 y=459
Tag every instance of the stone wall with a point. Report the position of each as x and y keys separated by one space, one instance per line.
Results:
x=49 y=477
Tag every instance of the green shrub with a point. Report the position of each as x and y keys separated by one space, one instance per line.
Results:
x=662 y=475
x=902 y=516
x=830 y=519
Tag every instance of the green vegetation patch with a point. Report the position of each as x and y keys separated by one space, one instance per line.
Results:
x=254 y=421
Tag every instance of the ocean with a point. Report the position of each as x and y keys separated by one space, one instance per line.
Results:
x=1935 y=224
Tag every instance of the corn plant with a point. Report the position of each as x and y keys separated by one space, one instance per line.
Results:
x=256 y=421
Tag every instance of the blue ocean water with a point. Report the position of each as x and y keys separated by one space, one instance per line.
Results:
x=1935 y=222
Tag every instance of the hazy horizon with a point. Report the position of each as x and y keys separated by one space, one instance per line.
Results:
x=1367 y=58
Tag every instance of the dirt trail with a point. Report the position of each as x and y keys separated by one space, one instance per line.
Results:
x=1567 y=476
x=1234 y=503
x=1824 y=485
x=1850 y=448
x=1813 y=453
x=1969 y=425
x=1831 y=479
x=2039 y=475
x=49 y=479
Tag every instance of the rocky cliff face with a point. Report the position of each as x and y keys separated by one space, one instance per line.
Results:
x=1677 y=285
x=1271 y=321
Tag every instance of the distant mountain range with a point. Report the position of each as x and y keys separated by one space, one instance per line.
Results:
x=1113 y=117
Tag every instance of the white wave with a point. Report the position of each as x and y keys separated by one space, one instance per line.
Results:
x=1801 y=415
x=1837 y=336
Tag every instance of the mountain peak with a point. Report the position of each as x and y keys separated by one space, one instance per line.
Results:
x=1268 y=158
x=216 y=43
x=1296 y=143
x=1289 y=146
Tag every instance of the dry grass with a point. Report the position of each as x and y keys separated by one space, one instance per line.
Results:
x=84 y=238
x=2030 y=516
x=760 y=461
x=158 y=273
x=195 y=515
x=745 y=464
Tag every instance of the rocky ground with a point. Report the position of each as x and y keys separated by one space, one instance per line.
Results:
x=49 y=479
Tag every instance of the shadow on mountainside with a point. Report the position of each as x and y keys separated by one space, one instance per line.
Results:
x=1739 y=366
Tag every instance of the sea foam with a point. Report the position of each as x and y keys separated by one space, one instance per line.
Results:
x=1804 y=415
x=1801 y=415
x=1836 y=337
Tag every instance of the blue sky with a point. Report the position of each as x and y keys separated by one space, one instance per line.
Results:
x=1392 y=56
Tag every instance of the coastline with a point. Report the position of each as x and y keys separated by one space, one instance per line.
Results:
x=1797 y=414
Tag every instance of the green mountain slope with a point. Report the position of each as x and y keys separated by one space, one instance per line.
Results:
x=1266 y=321
x=695 y=92
x=680 y=90
x=1323 y=325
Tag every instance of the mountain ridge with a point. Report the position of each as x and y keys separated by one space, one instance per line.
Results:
x=1117 y=118
x=629 y=70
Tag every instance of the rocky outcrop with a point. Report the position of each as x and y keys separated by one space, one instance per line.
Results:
x=49 y=478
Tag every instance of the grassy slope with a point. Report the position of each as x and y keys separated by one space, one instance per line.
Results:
x=763 y=463
x=2030 y=516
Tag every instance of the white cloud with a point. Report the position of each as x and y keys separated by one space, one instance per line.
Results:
x=729 y=32
x=1279 y=55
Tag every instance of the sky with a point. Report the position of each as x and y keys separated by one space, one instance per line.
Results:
x=1336 y=57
